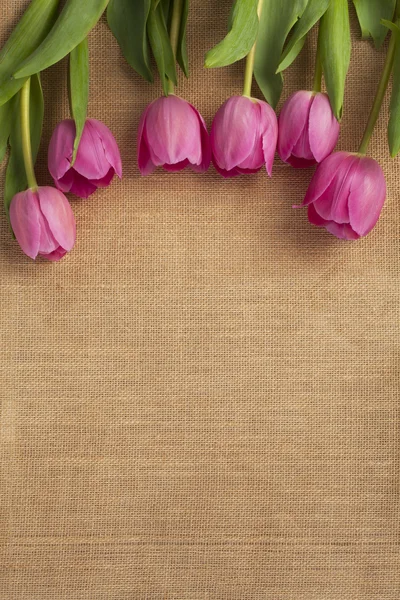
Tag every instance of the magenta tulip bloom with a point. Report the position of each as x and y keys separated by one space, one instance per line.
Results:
x=43 y=223
x=308 y=129
x=244 y=136
x=346 y=195
x=97 y=160
x=173 y=135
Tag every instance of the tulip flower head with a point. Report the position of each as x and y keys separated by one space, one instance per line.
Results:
x=43 y=223
x=346 y=195
x=97 y=161
x=244 y=136
x=308 y=129
x=172 y=135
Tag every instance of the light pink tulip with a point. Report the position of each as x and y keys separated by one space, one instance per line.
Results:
x=308 y=129
x=346 y=195
x=43 y=223
x=244 y=136
x=172 y=134
x=97 y=160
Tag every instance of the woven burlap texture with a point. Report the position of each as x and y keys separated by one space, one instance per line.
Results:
x=202 y=400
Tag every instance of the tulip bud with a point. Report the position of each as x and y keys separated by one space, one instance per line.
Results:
x=308 y=129
x=97 y=160
x=43 y=223
x=346 y=195
x=172 y=134
x=244 y=136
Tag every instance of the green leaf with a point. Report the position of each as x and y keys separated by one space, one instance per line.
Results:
x=394 y=121
x=79 y=89
x=128 y=22
x=5 y=127
x=181 y=54
x=30 y=32
x=241 y=37
x=314 y=11
x=161 y=45
x=72 y=26
x=277 y=20
x=335 y=52
x=15 y=174
x=370 y=13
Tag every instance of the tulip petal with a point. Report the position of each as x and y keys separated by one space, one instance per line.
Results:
x=205 y=145
x=367 y=196
x=225 y=173
x=64 y=184
x=293 y=121
x=333 y=203
x=47 y=243
x=110 y=145
x=323 y=128
x=24 y=218
x=269 y=133
x=234 y=132
x=82 y=187
x=91 y=161
x=105 y=181
x=343 y=231
x=323 y=177
x=177 y=166
x=316 y=219
x=145 y=163
x=58 y=213
x=61 y=148
x=56 y=255
x=172 y=132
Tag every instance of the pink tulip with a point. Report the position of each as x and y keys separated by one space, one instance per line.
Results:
x=173 y=135
x=346 y=195
x=97 y=160
x=308 y=129
x=244 y=136
x=43 y=223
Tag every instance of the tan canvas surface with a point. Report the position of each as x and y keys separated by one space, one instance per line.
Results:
x=202 y=400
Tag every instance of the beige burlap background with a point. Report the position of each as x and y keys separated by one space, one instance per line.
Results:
x=202 y=400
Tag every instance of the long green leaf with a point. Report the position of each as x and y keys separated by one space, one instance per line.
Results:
x=241 y=37
x=30 y=32
x=394 y=121
x=335 y=52
x=5 y=127
x=161 y=45
x=370 y=13
x=75 y=21
x=15 y=174
x=181 y=55
x=314 y=11
x=79 y=89
x=128 y=22
x=277 y=20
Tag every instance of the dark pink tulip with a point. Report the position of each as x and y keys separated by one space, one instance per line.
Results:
x=173 y=135
x=244 y=136
x=346 y=195
x=308 y=129
x=97 y=160
x=43 y=223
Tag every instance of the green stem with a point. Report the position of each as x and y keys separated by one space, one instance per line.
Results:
x=26 y=135
x=174 y=34
x=318 y=68
x=381 y=92
x=250 y=60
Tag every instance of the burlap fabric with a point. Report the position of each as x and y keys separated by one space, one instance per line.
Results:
x=202 y=400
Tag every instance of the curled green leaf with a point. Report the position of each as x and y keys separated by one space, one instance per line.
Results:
x=181 y=54
x=241 y=37
x=277 y=20
x=314 y=11
x=161 y=45
x=79 y=89
x=5 y=127
x=335 y=49
x=370 y=13
x=128 y=22
x=30 y=32
x=394 y=121
x=15 y=175
x=72 y=26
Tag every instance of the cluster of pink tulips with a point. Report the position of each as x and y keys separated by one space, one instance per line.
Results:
x=347 y=192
